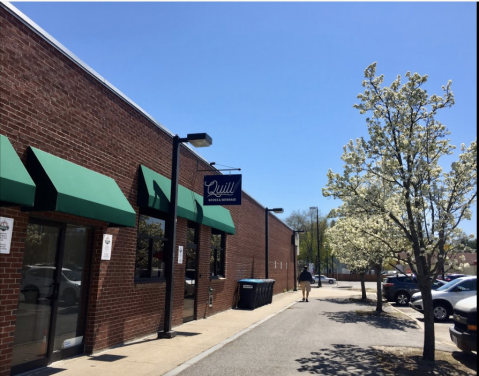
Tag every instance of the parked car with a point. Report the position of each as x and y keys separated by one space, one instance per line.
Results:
x=450 y=277
x=399 y=288
x=438 y=283
x=464 y=331
x=37 y=284
x=445 y=297
x=324 y=279
x=389 y=272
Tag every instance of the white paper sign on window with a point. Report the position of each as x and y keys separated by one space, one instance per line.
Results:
x=6 y=230
x=180 y=254
x=106 y=247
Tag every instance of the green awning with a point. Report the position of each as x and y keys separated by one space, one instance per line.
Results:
x=66 y=187
x=154 y=192
x=16 y=185
x=215 y=216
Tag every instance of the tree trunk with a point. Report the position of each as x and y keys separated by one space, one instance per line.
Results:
x=363 y=286
x=379 y=295
x=429 y=349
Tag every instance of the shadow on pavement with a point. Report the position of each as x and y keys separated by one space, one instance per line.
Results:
x=48 y=371
x=107 y=357
x=467 y=359
x=357 y=301
x=355 y=361
x=383 y=321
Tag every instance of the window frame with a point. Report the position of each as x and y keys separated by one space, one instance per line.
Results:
x=151 y=240
x=220 y=272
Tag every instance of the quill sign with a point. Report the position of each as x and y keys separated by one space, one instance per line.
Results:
x=222 y=190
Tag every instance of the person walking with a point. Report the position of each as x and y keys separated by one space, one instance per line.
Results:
x=305 y=279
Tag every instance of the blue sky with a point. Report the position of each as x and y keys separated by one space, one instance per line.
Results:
x=273 y=83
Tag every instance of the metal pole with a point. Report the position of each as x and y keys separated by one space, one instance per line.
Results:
x=266 y=244
x=327 y=261
x=295 y=250
x=295 y=267
x=312 y=239
x=171 y=236
x=317 y=238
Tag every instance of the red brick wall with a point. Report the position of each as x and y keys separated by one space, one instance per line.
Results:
x=48 y=102
x=10 y=267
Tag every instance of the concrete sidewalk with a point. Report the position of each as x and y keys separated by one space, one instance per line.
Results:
x=195 y=340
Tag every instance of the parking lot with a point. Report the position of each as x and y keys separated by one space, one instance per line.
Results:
x=441 y=328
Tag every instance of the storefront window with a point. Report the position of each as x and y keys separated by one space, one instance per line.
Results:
x=217 y=255
x=149 y=262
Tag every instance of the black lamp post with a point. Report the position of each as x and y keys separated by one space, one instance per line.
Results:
x=266 y=255
x=294 y=257
x=317 y=238
x=197 y=140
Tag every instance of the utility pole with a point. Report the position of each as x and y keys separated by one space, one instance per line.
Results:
x=317 y=239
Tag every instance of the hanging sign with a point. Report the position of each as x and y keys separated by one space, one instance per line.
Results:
x=106 y=247
x=180 y=254
x=6 y=229
x=222 y=190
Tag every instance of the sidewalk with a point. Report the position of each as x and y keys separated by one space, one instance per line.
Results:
x=195 y=340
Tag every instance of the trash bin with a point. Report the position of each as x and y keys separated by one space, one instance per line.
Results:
x=250 y=290
x=270 y=287
x=263 y=294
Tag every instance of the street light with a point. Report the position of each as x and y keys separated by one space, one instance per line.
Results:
x=266 y=261
x=294 y=256
x=197 y=140
x=317 y=238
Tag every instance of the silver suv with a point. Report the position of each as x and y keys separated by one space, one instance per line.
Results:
x=445 y=297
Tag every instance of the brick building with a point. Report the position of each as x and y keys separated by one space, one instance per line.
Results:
x=79 y=161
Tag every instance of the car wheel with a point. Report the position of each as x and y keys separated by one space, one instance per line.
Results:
x=69 y=298
x=441 y=313
x=330 y=281
x=31 y=295
x=402 y=298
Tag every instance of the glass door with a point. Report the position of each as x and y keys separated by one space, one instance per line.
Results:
x=72 y=297
x=36 y=300
x=51 y=304
x=190 y=274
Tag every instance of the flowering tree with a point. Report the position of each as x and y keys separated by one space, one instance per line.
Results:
x=423 y=202
x=363 y=241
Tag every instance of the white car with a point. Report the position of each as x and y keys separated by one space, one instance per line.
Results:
x=445 y=297
x=324 y=279
x=37 y=284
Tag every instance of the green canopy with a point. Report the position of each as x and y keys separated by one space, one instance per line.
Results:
x=16 y=185
x=154 y=192
x=66 y=187
x=215 y=216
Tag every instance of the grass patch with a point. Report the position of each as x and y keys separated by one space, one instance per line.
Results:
x=407 y=361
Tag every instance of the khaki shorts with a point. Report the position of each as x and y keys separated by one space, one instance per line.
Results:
x=305 y=286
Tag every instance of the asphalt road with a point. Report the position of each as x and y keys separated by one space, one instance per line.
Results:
x=324 y=336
